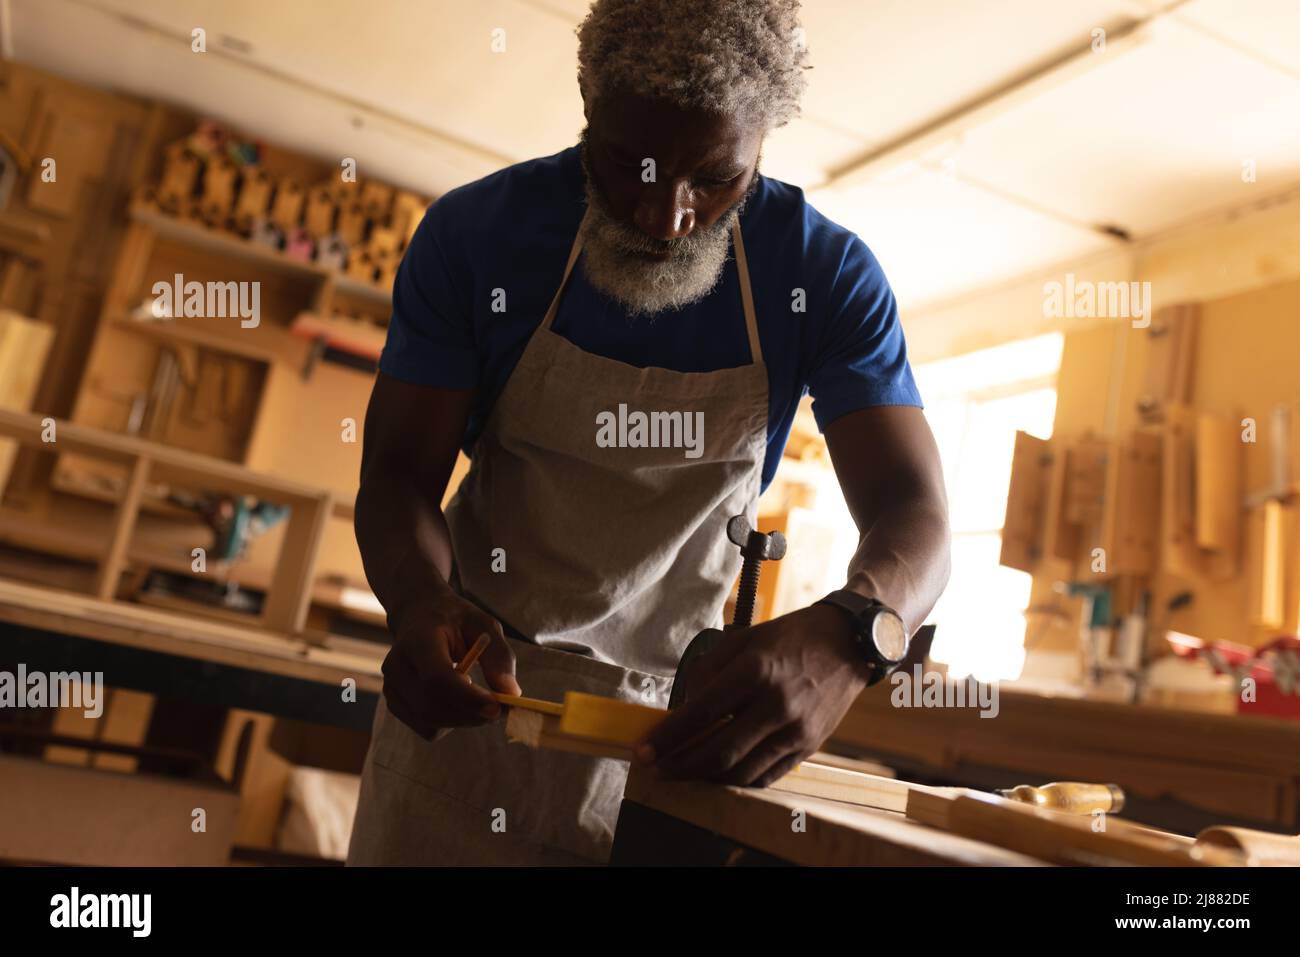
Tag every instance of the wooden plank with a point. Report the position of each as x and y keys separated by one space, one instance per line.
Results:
x=536 y=729
x=24 y=344
x=594 y=718
x=1261 y=848
x=114 y=561
x=812 y=831
x=1265 y=570
x=1170 y=360
x=1087 y=461
x=608 y=728
x=1061 y=538
x=83 y=816
x=287 y=600
x=126 y=722
x=154 y=630
x=1291 y=571
x=1023 y=527
x=1130 y=523
x=1266 y=745
x=1218 y=484
x=1059 y=837
x=852 y=787
x=1219 y=488
x=1178 y=555
x=852 y=764
x=530 y=704
x=1233 y=793
x=168 y=463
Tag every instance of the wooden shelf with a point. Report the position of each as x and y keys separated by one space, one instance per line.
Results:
x=271 y=344
x=214 y=240
x=173 y=331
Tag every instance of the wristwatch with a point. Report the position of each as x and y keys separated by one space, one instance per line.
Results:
x=878 y=630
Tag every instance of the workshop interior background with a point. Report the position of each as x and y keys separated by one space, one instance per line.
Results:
x=1089 y=212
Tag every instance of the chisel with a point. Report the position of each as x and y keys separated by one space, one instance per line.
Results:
x=1073 y=796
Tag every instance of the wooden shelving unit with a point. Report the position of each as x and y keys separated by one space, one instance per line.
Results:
x=257 y=398
x=289 y=591
x=227 y=244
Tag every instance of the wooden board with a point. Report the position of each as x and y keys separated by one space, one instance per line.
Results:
x=1022 y=530
x=82 y=816
x=813 y=831
x=1087 y=461
x=1060 y=838
x=1226 y=766
x=530 y=704
x=1131 y=519
x=1170 y=360
x=1261 y=848
x=815 y=779
x=114 y=563
x=1061 y=538
x=154 y=630
x=1178 y=554
x=1266 y=525
x=594 y=718
x=608 y=728
x=536 y=729
x=1219 y=488
x=24 y=344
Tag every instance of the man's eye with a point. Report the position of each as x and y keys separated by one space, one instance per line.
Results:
x=716 y=182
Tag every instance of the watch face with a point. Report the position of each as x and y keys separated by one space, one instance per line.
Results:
x=889 y=635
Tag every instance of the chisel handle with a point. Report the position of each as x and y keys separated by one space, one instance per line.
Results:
x=1073 y=796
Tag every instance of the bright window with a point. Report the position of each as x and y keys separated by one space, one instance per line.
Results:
x=975 y=404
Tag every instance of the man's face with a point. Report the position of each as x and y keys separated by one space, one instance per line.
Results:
x=657 y=233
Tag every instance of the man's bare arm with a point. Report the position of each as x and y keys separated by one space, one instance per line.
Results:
x=412 y=436
x=888 y=467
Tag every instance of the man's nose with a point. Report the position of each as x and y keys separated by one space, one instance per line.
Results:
x=664 y=212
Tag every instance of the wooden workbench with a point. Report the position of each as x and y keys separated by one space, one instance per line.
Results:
x=680 y=822
x=172 y=653
x=1181 y=770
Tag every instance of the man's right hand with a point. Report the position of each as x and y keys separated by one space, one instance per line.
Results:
x=421 y=686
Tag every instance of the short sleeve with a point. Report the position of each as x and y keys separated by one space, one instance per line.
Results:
x=431 y=333
x=860 y=359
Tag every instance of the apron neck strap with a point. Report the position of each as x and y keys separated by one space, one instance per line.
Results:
x=742 y=270
x=746 y=295
x=574 y=252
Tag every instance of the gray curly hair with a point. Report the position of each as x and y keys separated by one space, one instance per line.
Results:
x=724 y=56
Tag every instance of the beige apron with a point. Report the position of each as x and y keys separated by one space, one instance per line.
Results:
x=614 y=558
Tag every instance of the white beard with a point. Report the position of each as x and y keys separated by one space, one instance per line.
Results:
x=646 y=286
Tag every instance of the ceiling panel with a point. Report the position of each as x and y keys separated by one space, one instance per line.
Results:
x=1270 y=28
x=100 y=50
x=1153 y=136
x=884 y=67
x=428 y=61
x=936 y=236
x=801 y=151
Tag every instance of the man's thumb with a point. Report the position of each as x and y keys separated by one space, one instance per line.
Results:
x=498 y=663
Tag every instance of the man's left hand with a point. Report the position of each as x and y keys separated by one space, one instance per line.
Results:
x=785 y=685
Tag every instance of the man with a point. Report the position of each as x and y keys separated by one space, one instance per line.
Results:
x=649 y=270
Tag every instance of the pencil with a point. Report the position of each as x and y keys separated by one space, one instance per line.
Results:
x=473 y=654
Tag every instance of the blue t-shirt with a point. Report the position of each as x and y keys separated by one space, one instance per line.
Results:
x=512 y=231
